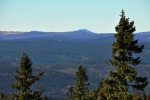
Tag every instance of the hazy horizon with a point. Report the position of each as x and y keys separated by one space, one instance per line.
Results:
x=13 y=32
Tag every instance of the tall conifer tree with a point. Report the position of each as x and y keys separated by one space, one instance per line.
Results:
x=80 y=89
x=24 y=80
x=117 y=85
x=81 y=83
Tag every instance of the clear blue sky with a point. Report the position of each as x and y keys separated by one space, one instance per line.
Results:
x=99 y=16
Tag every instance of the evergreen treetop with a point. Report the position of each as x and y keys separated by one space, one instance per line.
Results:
x=80 y=89
x=24 y=80
x=123 y=49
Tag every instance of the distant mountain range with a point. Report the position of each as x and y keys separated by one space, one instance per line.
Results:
x=78 y=34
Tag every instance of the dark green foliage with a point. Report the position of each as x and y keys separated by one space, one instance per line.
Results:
x=80 y=89
x=3 y=97
x=117 y=85
x=96 y=94
x=24 y=80
x=140 y=84
x=81 y=85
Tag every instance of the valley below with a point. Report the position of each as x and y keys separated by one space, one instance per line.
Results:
x=60 y=58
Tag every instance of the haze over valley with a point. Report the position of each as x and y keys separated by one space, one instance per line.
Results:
x=75 y=50
x=60 y=53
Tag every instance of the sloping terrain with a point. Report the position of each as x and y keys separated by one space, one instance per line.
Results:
x=60 y=57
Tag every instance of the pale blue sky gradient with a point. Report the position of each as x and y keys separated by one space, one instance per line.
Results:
x=99 y=16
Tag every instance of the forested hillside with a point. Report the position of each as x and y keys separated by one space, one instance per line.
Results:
x=59 y=58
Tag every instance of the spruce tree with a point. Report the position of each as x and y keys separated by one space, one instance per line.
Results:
x=81 y=83
x=117 y=85
x=80 y=89
x=24 y=80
